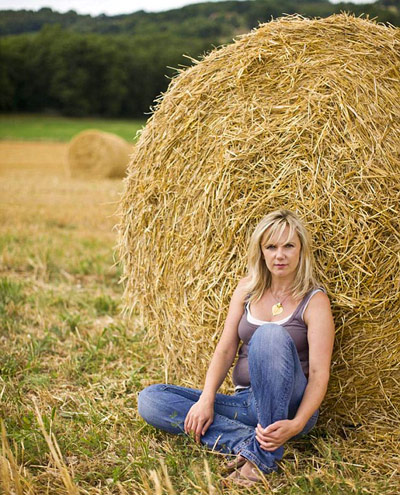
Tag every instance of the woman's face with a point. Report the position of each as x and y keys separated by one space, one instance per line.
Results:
x=281 y=254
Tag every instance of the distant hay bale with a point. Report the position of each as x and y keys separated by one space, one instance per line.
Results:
x=94 y=154
x=300 y=114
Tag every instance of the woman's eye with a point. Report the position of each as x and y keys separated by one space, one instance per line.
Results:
x=270 y=247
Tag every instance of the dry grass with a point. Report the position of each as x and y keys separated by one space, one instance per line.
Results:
x=301 y=114
x=94 y=154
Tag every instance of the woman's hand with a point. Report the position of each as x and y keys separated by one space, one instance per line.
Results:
x=199 y=418
x=276 y=434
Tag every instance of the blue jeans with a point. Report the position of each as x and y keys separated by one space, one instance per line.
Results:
x=277 y=388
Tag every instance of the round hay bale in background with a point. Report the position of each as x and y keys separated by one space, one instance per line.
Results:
x=94 y=154
x=299 y=114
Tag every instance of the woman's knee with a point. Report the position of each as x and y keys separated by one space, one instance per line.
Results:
x=269 y=335
x=148 y=399
x=269 y=343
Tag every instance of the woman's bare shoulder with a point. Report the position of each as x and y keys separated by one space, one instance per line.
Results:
x=318 y=305
x=319 y=299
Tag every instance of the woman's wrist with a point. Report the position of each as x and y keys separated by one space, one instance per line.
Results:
x=208 y=397
x=299 y=424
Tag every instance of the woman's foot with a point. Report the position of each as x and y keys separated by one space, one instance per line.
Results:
x=233 y=465
x=246 y=476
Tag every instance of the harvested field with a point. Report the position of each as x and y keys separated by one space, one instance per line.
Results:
x=20 y=157
x=70 y=365
x=35 y=175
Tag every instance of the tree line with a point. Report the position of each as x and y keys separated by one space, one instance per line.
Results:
x=116 y=66
x=87 y=74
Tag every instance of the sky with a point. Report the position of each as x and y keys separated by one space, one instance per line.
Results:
x=108 y=7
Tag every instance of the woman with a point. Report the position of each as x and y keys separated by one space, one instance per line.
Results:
x=284 y=321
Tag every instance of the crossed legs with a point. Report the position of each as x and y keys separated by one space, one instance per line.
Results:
x=277 y=387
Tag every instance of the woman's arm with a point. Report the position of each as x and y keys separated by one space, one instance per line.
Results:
x=201 y=414
x=321 y=332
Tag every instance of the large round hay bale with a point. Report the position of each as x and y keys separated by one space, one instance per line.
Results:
x=94 y=154
x=299 y=114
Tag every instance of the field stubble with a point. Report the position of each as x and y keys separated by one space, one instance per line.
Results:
x=71 y=367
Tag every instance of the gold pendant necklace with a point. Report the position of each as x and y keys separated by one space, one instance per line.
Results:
x=277 y=308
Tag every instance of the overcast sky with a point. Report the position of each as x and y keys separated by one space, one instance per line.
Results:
x=109 y=7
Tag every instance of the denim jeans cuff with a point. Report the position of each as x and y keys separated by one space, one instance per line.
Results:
x=250 y=456
x=242 y=445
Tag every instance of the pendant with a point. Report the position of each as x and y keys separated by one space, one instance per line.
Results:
x=277 y=309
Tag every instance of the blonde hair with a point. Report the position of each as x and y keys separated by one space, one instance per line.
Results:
x=258 y=273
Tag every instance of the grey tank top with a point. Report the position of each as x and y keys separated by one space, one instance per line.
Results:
x=296 y=328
